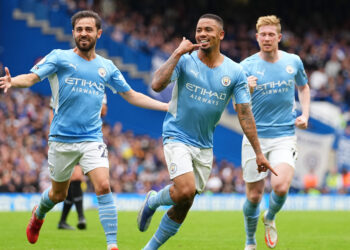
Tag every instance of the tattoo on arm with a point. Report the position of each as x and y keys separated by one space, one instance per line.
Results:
x=162 y=76
x=247 y=122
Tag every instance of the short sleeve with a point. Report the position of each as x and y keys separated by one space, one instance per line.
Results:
x=300 y=77
x=117 y=82
x=177 y=70
x=46 y=66
x=241 y=90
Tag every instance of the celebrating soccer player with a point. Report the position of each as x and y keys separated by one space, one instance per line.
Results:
x=205 y=82
x=78 y=78
x=272 y=76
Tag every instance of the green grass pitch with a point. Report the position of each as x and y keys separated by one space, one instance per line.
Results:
x=201 y=230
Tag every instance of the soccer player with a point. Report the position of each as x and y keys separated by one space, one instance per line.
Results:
x=272 y=76
x=206 y=81
x=75 y=192
x=78 y=78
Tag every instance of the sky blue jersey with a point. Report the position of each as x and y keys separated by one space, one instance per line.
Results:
x=78 y=87
x=274 y=97
x=199 y=97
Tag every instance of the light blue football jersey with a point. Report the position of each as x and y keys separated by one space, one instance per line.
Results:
x=78 y=88
x=274 y=97
x=199 y=97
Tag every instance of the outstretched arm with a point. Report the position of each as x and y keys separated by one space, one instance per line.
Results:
x=162 y=76
x=304 y=97
x=20 y=81
x=143 y=101
x=246 y=119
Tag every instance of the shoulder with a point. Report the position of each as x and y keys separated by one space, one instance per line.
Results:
x=107 y=63
x=188 y=57
x=251 y=59
x=291 y=56
x=232 y=65
x=65 y=52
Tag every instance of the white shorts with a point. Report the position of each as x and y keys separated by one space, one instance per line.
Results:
x=276 y=150
x=62 y=158
x=182 y=158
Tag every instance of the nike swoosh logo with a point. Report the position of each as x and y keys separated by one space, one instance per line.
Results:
x=269 y=241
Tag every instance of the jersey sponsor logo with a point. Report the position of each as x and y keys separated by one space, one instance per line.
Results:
x=85 y=86
x=290 y=69
x=226 y=81
x=102 y=72
x=275 y=87
x=84 y=83
x=204 y=95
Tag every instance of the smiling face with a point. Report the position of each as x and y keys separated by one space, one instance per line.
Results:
x=209 y=33
x=268 y=38
x=85 y=34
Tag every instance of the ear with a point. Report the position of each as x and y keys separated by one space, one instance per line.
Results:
x=279 y=37
x=222 y=35
x=256 y=36
x=99 y=33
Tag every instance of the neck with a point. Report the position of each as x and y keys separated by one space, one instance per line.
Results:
x=87 y=55
x=272 y=56
x=211 y=58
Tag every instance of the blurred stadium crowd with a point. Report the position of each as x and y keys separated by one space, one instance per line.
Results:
x=136 y=162
x=320 y=36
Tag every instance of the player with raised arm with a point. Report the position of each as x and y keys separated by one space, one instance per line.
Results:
x=272 y=76
x=206 y=81
x=78 y=78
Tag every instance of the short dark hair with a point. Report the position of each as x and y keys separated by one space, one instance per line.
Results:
x=214 y=17
x=84 y=14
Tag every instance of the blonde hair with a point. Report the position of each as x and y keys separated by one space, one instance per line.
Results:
x=268 y=20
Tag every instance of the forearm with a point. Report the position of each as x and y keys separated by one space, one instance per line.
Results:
x=246 y=119
x=143 y=101
x=24 y=81
x=304 y=98
x=162 y=76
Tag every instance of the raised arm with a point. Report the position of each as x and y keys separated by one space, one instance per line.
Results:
x=143 y=101
x=246 y=119
x=304 y=98
x=20 y=81
x=162 y=76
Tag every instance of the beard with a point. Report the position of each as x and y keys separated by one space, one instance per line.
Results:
x=89 y=45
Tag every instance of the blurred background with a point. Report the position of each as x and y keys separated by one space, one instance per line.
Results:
x=139 y=36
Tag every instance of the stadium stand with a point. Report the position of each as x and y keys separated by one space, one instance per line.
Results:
x=141 y=35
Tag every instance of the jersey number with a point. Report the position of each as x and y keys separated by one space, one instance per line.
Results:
x=104 y=150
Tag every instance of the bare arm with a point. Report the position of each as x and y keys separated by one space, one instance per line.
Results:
x=20 y=81
x=304 y=98
x=246 y=119
x=162 y=76
x=143 y=101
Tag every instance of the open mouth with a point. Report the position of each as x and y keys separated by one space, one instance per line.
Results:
x=204 y=42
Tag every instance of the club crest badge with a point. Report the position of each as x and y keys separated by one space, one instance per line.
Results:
x=172 y=168
x=102 y=72
x=290 y=69
x=225 y=81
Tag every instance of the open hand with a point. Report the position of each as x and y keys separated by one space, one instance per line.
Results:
x=5 y=81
